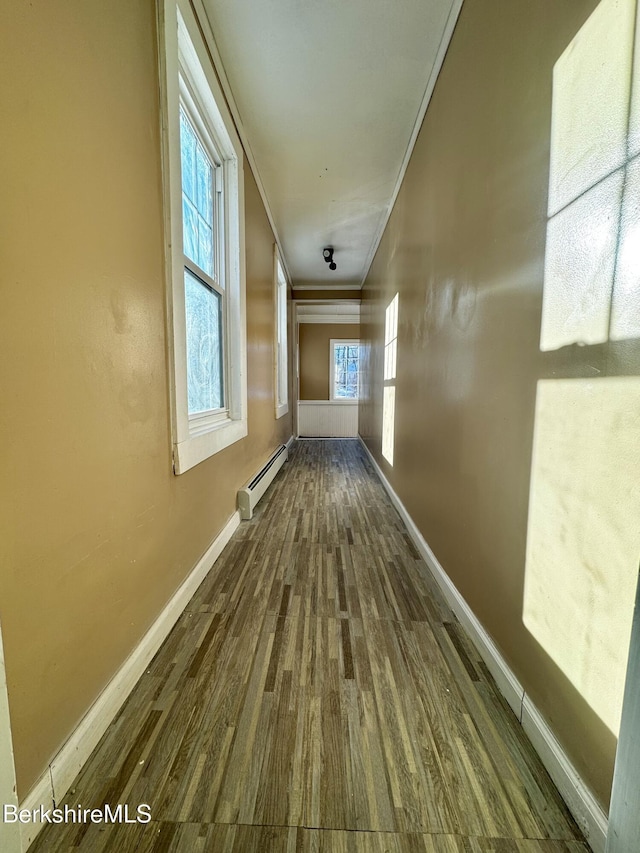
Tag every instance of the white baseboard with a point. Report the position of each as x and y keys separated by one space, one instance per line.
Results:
x=579 y=799
x=327 y=438
x=65 y=766
x=40 y=794
x=10 y=838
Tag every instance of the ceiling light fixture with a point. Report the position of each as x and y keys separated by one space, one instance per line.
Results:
x=327 y=254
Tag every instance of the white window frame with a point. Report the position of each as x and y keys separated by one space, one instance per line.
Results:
x=216 y=280
x=280 y=336
x=333 y=342
x=187 y=76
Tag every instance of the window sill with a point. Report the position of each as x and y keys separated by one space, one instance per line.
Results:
x=282 y=410
x=195 y=449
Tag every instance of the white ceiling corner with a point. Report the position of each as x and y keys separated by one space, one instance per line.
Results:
x=329 y=97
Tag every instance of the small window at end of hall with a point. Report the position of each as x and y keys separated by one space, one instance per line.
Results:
x=344 y=370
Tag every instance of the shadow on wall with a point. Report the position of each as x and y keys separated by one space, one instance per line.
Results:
x=583 y=540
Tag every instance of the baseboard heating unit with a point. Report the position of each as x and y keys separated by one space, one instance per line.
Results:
x=250 y=494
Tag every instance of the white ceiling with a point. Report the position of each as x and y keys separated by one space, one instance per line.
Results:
x=330 y=94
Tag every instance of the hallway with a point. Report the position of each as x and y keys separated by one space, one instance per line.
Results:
x=317 y=694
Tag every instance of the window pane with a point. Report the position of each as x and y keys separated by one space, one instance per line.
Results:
x=346 y=371
x=197 y=198
x=188 y=154
x=205 y=247
x=204 y=201
x=203 y=308
x=189 y=230
x=282 y=373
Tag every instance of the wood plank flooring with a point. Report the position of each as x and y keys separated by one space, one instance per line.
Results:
x=318 y=695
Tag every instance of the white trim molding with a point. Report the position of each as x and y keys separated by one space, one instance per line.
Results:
x=9 y=832
x=326 y=285
x=580 y=801
x=330 y=319
x=328 y=311
x=40 y=795
x=67 y=763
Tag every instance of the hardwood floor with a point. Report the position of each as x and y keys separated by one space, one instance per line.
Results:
x=318 y=695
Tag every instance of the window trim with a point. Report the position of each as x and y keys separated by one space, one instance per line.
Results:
x=187 y=74
x=341 y=342
x=280 y=347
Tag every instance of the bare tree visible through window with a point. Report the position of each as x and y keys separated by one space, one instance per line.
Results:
x=345 y=357
x=204 y=307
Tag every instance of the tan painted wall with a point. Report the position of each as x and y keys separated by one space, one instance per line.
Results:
x=96 y=532
x=465 y=251
x=314 y=355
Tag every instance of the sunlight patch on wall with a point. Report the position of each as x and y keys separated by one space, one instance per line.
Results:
x=625 y=306
x=389 y=377
x=579 y=267
x=591 y=90
x=583 y=543
x=391 y=339
x=388 y=422
x=593 y=185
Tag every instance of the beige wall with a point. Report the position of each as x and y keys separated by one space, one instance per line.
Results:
x=314 y=355
x=465 y=251
x=96 y=532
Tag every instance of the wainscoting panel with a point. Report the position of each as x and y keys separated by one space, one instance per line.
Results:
x=325 y=419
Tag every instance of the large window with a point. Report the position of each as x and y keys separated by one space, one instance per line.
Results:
x=204 y=223
x=344 y=370
x=203 y=294
x=280 y=360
